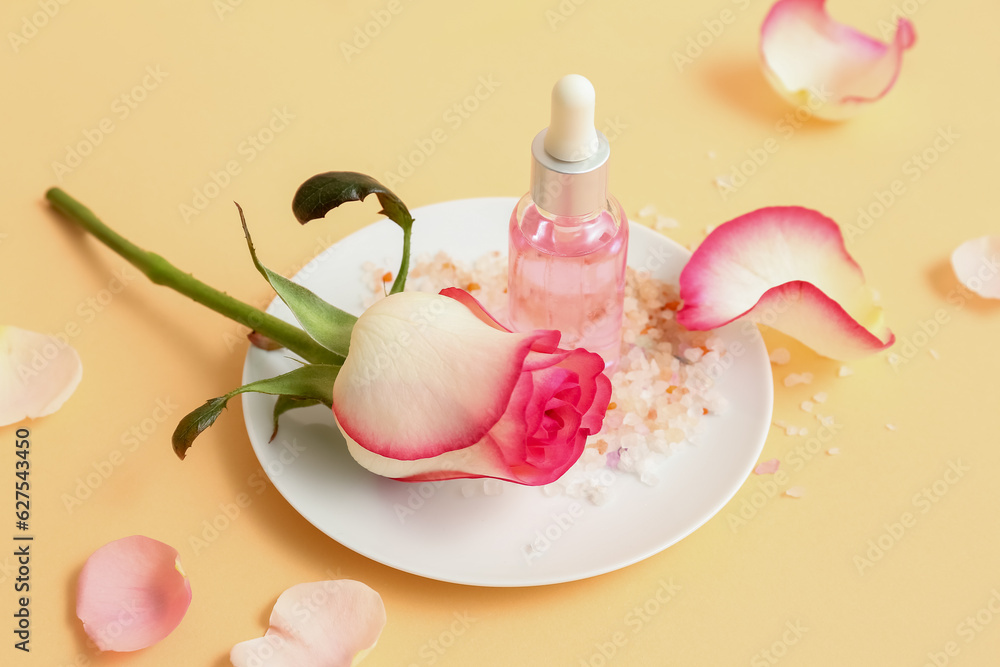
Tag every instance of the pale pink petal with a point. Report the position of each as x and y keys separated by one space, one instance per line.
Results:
x=788 y=268
x=38 y=373
x=829 y=68
x=977 y=265
x=474 y=306
x=320 y=624
x=768 y=467
x=132 y=593
x=416 y=358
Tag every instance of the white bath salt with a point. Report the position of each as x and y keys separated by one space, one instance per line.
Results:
x=826 y=420
x=807 y=406
x=795 y=492
x=833 y=451
x=791 y=430
x=709 y=229
x=664 y=223
x=711 y=155
x=470 y=488
x=820 y=397
x=780 y=423
x=890 y=427
x=893 y=359
x=934 y=353
x=647 y=211
x=803 y=431
x=845 y=371
x=723 y=182
x=658 y=401
x=780 y=356
x=793 y=379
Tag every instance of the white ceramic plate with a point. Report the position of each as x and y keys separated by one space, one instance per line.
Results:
x=430 y=529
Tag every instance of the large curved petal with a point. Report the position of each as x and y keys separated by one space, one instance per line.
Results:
x=426 y=376
x=38 y=373
x=320 y=624
x=132 y=593
x=977 y=265
x=826 y=66
x=786 y=267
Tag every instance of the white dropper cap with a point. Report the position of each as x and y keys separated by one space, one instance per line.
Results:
x=572 y=136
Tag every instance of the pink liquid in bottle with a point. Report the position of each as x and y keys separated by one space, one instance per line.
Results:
x=568 y=273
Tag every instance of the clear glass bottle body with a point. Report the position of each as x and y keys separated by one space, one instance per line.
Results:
x=568 y=273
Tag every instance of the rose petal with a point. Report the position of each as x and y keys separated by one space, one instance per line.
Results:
x=977 y=265
x=37 y=374
x=132 y=593
x=405 y=374
x=812 y=60
x=320 y=624
x=786 y=267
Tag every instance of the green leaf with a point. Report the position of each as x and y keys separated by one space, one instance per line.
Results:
x=312 y=382
x=325 y=192
x=326 y=324
x=286 y=403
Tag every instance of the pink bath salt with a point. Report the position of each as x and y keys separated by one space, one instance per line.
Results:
x=768 y=467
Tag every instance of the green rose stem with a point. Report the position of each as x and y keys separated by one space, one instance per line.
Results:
x=162 y=272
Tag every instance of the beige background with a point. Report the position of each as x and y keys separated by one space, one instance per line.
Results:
x=150 y=356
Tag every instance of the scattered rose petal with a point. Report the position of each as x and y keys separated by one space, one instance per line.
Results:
x=795 y=492
x=132 y=593
x=768 y=467
x=827 y=67
x=845 y=371
x=820 y=397
x=780 y=356
x=38 y=373
x=787 y=267
x=833 y=451
x=977 y=265
x=319 y=624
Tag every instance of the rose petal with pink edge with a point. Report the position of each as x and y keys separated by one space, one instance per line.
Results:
x=827 y=67
x=977 y=265
x=416 y=357
x=768 y=467
x=786 y=267
x=320 y=624
x=132 y=593
x=38 y=373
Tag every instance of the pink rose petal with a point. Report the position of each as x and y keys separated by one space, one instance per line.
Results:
x=320 y=624
x=132 y=593
x=38 y=373
x=977 y=265
x=826 y=66
x=768 y=467
x=787 y=267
